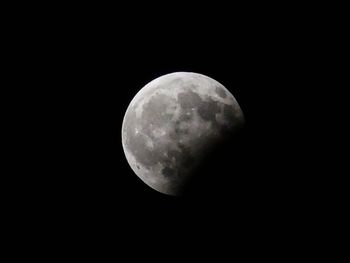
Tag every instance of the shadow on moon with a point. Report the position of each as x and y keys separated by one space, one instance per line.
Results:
x=222 y=170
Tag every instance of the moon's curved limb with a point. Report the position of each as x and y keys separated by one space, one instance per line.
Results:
x=171 y=122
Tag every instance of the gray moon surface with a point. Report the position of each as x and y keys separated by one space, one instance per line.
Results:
x=172 y=123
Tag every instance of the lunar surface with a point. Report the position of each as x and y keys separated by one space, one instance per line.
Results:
x=172 y=123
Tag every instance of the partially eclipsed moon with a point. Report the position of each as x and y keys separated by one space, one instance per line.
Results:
x=171 y=124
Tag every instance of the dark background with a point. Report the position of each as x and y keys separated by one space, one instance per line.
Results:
x=84 y=65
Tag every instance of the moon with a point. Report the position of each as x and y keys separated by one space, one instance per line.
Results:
x=172 y=123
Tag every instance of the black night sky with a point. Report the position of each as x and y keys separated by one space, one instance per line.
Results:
x=86 y=67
